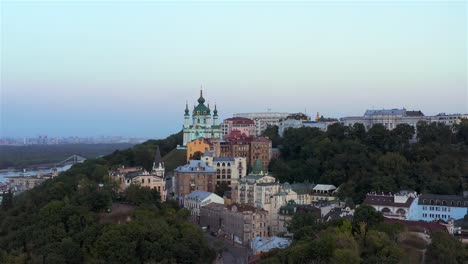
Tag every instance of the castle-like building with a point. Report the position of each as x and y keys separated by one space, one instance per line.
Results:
x=202 y=125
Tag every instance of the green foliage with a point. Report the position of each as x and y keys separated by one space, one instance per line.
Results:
x=60 y=220
x=138 y=195
x=23 y=156
x=376 y=160
x=335 y=243
x=367 y=215
x=446 y=249
x=271 y=132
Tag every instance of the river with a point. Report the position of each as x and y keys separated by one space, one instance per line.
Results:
x=5 y=174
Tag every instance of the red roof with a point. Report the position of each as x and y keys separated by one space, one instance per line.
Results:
x=241 y=121
x=386 y=200
x=418 y=226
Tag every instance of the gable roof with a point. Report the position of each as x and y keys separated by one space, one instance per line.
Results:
x=386 y=200
x=200 y=195
x=196 y=166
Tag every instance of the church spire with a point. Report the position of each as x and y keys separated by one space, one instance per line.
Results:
x=158 y=163
x=186 y=108
x=201 y=100
x=215 y=112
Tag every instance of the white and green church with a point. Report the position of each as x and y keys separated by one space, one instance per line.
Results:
x=202 y=125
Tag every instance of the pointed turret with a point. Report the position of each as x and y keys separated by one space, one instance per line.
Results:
x=187 y=111
x=257 y=167
x=215 y=112
x=157 y=157
x=158 y=164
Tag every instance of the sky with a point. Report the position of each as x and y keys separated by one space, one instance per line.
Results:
x=83 y=68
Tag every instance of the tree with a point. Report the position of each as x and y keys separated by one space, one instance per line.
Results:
x=444 y=248
x=271 y=132
x=368 y=215
x=7 y=200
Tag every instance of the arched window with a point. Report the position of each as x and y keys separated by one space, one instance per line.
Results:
x=229 y=164
x=438 y=202
x=224 y=164
x=218 y=164
x=432 y=201
x=444 y=202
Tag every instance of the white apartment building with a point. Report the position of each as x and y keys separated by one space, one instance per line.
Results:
x=264 y=119
x=390 y=118
x=228 y=169
x=196 y=199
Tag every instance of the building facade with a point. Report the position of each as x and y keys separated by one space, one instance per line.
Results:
x=432 y=207
x=197 y=199
x=389 y=118
x=199 y=145
x=239 y=223
x=202 y=125
x=155 y=179
x=392 y=205
x=251 y=148
x=194 y=176
x=228 y=169
x=244 y=126
x=263 y=119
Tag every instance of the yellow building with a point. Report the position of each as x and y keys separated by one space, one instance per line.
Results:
x=198 y=145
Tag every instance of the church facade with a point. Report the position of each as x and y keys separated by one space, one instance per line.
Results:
x=203 y=124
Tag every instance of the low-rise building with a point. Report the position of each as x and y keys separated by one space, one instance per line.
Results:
x=448 y=119
x=239 y=223
x=251 y=148
x=244 y=126
x=389 y=118
x=194 y=176
x=323 y=192
x=264 y=119
x=228 y=169
x=197 y=199
x=433 y=207
x=391 y=205
x=154 y=179
x=262 y=245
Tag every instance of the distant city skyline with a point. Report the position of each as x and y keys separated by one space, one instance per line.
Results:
x=127 y=68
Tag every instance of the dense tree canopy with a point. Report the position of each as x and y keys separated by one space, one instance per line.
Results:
x=435 y=160
x=62 y=220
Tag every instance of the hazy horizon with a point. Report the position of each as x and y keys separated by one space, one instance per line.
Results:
x=127 y=68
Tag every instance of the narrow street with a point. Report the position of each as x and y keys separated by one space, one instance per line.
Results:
x=232 y=254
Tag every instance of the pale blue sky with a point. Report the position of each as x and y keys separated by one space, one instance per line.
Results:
x=126 y=68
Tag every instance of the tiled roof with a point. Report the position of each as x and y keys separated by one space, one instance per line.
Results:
x=417 y=225
x=196 y=166
x=445 y=200
x=386 y=200
x=199 y=195
x=241 y=121
x=386 y=112
x=223 y=159
x=324 y=187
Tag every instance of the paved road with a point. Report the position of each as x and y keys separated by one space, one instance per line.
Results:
x=232 y=255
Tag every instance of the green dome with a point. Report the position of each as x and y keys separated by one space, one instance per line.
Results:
x=201 y=100
x=187 y=111
x=201 y=109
